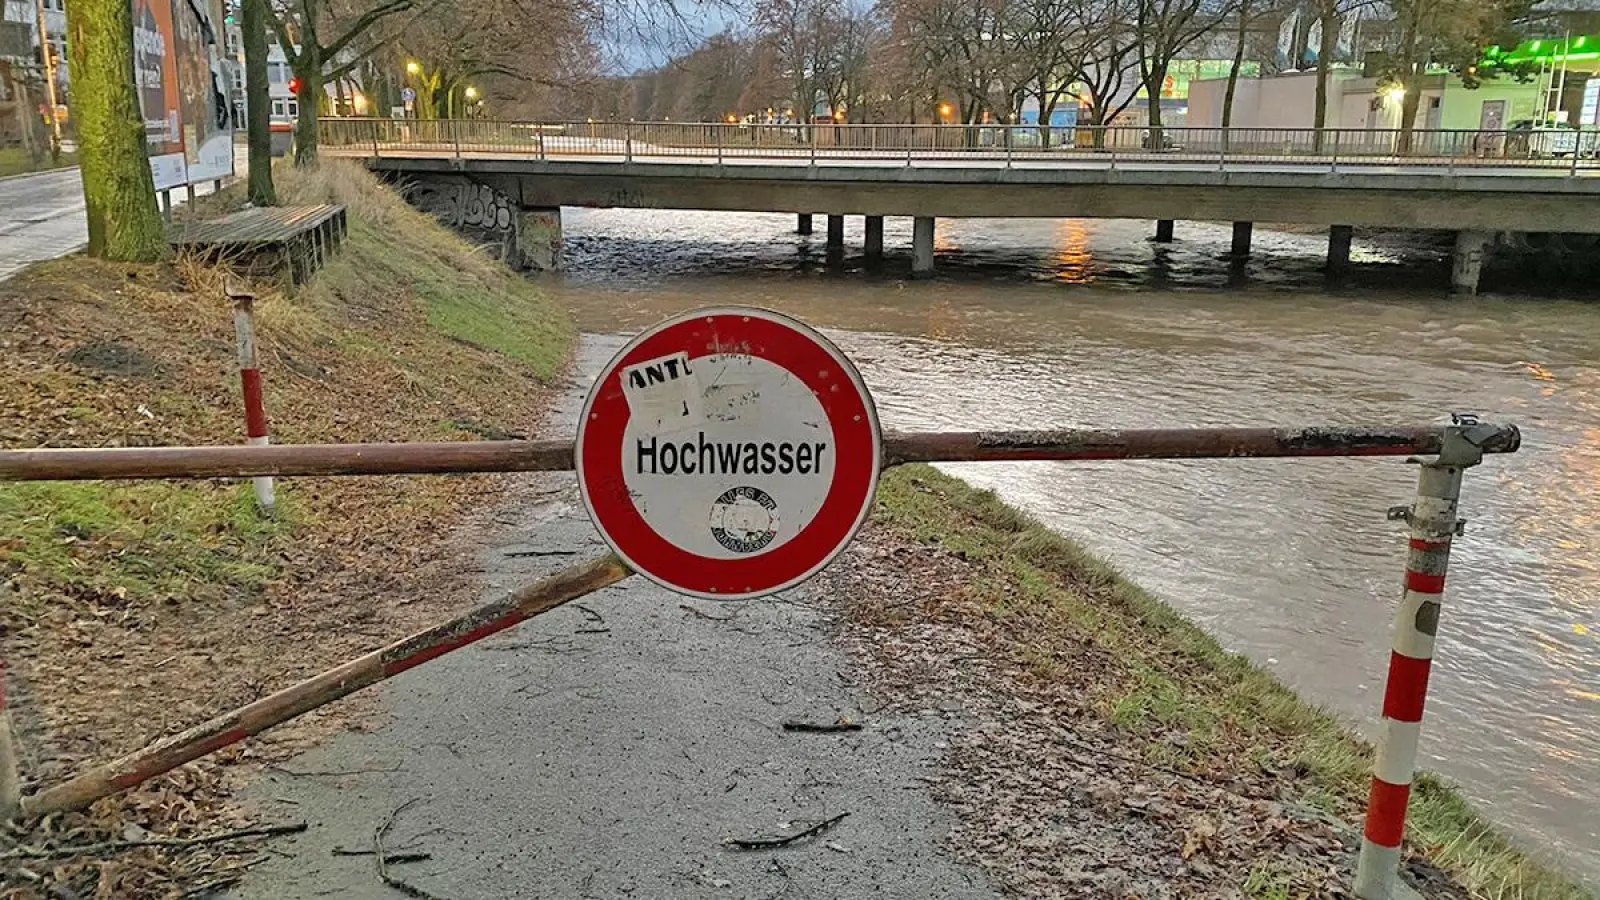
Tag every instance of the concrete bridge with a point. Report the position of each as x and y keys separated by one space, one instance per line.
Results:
x=504 y=183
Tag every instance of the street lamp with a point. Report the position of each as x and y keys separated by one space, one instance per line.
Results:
x=1397 y=93
x=945 y=109
x=472 y=92
x=413 y=67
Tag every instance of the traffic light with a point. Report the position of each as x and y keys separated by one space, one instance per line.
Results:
x=294 y=85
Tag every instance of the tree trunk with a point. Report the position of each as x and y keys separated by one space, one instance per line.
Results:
x=1408 y=111
x=1330 y=34
x=1152 y=90
x=309 y=97
x=1238 y=62
x=118 y=191
x=1410 y=68
x=257 y=103
x=28 y=123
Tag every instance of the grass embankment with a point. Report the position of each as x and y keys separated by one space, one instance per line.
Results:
x=131 y=610
x=15 y=161
x=1132 y=682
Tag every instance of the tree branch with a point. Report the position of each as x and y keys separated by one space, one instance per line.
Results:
x=363 y=22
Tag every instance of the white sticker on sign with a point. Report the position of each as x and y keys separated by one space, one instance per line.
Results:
x=663 y=394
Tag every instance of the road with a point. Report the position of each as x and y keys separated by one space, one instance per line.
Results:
x=42 y=216
x=611 y=752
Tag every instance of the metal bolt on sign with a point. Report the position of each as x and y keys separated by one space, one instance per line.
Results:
x=732 y=453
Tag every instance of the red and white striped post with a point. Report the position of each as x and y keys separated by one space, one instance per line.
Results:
x=255 y=414
x=1433 y=525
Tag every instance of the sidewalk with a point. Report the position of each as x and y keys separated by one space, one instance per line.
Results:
x=611 y=748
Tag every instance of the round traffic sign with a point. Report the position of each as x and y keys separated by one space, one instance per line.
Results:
x=728 y=453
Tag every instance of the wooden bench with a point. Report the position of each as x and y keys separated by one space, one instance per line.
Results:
x=295 y=239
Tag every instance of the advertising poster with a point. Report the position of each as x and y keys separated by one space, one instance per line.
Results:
x=178 y=72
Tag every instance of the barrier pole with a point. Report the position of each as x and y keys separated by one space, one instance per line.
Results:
x=255 y=413
x=341 y=681
x=1433 y=524
x=435 y=458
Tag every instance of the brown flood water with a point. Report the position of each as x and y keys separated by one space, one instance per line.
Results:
x=1034 y=323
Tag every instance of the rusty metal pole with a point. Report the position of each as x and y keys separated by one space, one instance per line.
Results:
x=170 y=752
x=435 y=458
x=1433 y=524
x=255 y=413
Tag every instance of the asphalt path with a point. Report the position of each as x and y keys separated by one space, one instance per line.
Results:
x=611 y=751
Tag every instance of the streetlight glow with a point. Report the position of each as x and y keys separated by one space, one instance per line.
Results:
x=472 y=92
x=945 y=109
x=1397 y=93
x=413 y=67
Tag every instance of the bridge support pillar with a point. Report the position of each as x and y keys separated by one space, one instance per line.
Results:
x=540 y=239
x=835 y=232
x=1241 y=238
x=1164 y=231
x=874 y=242
x=1467 y=263
x=803 y=225
x=922 y=245
x=1339 y=249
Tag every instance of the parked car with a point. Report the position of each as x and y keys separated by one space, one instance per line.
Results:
x=1163 y=140
x=1529 y=137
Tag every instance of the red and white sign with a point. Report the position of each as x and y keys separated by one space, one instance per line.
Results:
x=728 y=453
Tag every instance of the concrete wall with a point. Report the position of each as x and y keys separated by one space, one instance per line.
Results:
x=1365 y=105
x=479 y=213
x=1281 y=101
x=1463 y=106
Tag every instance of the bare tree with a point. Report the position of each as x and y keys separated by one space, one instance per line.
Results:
x=300 y=25
x=1049 y=49
x=965 y=46
x=1110 y=66
x=484 y=44
x=1165 y=28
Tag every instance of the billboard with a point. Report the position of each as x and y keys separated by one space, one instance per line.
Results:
x=182 y=90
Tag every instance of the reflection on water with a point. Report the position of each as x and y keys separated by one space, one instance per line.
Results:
x=1034 y=323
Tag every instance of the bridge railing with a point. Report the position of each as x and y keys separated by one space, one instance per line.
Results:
x=1572 y=150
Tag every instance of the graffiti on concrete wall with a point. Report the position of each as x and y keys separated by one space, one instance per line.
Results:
x=476 y=211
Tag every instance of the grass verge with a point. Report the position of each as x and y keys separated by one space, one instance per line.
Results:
x=1158 y=676
x=136 y=609
x=15 y=161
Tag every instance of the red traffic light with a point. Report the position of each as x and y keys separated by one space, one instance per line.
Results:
x=294 y=85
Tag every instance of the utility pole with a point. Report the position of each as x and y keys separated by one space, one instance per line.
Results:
x=48 y=56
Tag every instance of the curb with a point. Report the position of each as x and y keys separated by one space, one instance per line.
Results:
x=22 y=175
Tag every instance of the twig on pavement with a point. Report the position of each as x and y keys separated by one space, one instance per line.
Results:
x=771 y=843
x=380 y=858
x=843 y=724
x=392 y=859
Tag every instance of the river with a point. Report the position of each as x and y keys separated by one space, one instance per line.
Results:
x=1034 y=323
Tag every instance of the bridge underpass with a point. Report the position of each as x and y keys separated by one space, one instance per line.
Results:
x=504 y=183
